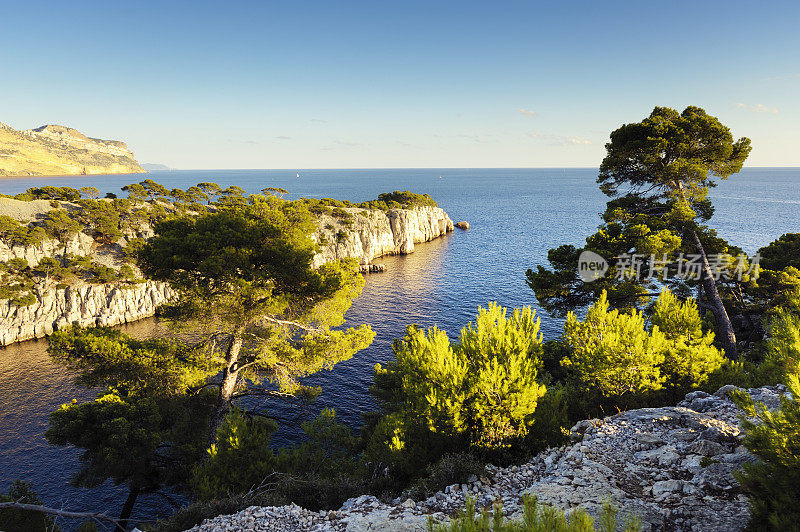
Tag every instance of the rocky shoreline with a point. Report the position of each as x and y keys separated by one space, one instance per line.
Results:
x=671 y=466
x=371 y=234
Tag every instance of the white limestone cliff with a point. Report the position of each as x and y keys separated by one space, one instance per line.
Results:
x=375 y=233
x=370 y=234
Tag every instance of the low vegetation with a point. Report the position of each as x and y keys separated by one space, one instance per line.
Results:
x=536 y=517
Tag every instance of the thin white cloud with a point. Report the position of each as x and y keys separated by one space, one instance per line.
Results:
x=284 y=137
x=476 y=138
x=560 y=140
x=757 y=108
x=347 y=143
x=782 y=77
x=527 y=112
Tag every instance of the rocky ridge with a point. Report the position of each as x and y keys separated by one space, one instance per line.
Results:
x=671 y=466
x=60 y=150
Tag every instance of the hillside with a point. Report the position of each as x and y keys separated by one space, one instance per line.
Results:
x=59 y=150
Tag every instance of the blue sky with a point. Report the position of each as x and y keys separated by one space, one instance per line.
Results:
x=402 y=84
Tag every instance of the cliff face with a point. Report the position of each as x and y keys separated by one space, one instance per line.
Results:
x=87 y=305
x=369 y=234
x=374 y=233
x=59 y=150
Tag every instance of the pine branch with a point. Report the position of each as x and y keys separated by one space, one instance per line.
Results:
x=99 y=517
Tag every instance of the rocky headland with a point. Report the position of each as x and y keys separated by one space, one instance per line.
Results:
x=374 y=233
x=368 y=234
x=60 y=150
x=671 y=466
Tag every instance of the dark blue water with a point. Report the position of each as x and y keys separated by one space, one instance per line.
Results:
x=515 y=215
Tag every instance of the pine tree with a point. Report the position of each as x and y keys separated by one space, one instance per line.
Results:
x=772 y=483
x=613 y=352
x=480 y=392
x=657 y=173
x=246 y=289
x=146 y=427
x=690 y=356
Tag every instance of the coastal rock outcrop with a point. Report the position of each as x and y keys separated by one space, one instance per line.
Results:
x=90 y=304
x=369 y=234
x=60 y=150
x=671 y=466
x=366 y=235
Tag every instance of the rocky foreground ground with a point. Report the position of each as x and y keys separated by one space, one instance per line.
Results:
x=672 y=466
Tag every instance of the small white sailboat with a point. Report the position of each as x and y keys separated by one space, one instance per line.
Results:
x=298 y=175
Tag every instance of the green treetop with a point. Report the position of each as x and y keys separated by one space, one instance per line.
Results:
x=657 y=173
x=612 y=351
x=62 y=227
x=479 y=393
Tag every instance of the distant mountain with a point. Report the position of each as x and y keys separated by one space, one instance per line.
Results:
x=60 y=150
x=155 y=167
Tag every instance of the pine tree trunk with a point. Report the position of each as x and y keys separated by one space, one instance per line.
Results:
x=229 y=376
x=127 y=508
x=725 y=332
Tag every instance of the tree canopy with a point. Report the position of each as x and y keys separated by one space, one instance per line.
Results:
x=246 y=287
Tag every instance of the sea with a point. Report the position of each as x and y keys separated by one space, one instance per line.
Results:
x=515 y=214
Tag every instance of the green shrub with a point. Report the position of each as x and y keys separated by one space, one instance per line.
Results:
x=690 y=356
x=240 y=461
x=613 y=352
x=772 y=483
x=440 y=397
x=321 y=472
x=407 y=199
x=535 y=518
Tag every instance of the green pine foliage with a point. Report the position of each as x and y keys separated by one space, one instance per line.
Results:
x=690 y=356
x=23 y=520
x=772 y=483
x=240 y=460
x=320 y=472
x=247 y=291
x=613 y=352
x=146 y=429
x=536 y=517
x=479 y=393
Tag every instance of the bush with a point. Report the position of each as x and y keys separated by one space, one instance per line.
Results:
x=535 y=518
x=240 y=461
x=613 y=352
x=440 y=397
x=690 y=356
x=772 y=483
x=407 y=199
x=321 y=472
